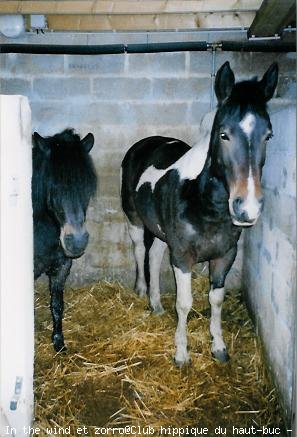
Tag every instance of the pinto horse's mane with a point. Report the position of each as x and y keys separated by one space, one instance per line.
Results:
x=64 y=169
x=246 y=96
x=248 y=93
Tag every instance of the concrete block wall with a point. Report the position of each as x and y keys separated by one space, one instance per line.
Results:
x=269 y=266
x=121 y=99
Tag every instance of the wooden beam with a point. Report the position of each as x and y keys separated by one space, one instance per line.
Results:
x=97 y=23
x=79 y=7
x=272 y=17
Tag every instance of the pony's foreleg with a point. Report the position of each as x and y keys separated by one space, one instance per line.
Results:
x=218 y=269
x=156 y=253
x=57 y=278
x=137 y=236
x=183 y=305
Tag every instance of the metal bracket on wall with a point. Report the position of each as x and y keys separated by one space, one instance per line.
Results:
x=17 y=393
x=264 y=38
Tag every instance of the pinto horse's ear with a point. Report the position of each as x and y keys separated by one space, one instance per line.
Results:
x=269 y=81
x=41 y=143
x=224 y=82
x=88 y=142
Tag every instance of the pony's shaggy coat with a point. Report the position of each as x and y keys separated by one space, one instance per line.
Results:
x=63 y=181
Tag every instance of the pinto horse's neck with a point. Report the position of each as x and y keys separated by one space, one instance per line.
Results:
x=209 y=187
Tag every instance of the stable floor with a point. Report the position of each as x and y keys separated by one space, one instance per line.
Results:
x=118 y=370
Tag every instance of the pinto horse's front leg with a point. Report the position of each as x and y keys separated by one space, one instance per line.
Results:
x=218 y=270
x=57 y=278
x=184 y=302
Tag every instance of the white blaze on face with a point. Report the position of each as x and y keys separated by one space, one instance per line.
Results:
x=248 y=124
x=251 y=205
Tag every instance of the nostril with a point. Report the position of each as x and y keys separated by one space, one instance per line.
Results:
x=237 y=202
x=85 y=238
x=69 y=238
x=81 y=240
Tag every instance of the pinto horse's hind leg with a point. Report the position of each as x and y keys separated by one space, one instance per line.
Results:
x=137 y=236
x=57 y=278
x=156 y=253
x=218 y=270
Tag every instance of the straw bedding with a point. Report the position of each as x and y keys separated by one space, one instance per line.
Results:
x=118 y=370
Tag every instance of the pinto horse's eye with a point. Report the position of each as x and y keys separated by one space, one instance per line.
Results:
x=224 y=136
x=268 y=137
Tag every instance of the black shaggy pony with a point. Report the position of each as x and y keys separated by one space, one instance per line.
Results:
x=64 y=179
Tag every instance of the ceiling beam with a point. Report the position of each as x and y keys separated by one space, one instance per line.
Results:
x=93 y=7
x=272 y=17
x=146 y=22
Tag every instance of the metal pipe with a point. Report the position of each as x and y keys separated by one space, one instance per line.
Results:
x=234 y=46
x=212 y=77
x=57 y=49
x=274 y=45
x=187 y=46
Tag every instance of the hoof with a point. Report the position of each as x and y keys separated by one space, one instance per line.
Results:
x=58 y=342
x=221 y=355
x=181 y=361
x=180 y=364
x=62 y=350
x=141 y=293
x=158 y=310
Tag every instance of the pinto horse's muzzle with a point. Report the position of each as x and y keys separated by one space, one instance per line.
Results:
x=74 y=241
x=245 y=213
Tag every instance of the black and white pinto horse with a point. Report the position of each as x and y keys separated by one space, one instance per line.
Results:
x=63 y=181
x=197 y=200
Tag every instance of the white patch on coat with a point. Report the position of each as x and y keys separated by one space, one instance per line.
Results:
x=248 y=124
x=172 y=141
x=151 y=175
x=190 y=165
x=216 y=299
x=184 y=302
x=156 y=253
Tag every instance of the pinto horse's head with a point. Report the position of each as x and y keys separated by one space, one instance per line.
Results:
x=240 y=132
x=68 y=180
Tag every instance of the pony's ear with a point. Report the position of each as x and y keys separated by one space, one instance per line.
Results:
x=224 y=82
x=41 y=143
x=269 y=81
x=88 y=142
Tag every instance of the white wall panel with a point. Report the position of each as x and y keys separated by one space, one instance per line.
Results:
x=16 y=273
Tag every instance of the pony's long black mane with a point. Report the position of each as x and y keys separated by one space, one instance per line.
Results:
x=65 y=169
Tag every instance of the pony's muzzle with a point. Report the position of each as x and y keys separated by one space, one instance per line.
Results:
x=74 y=243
